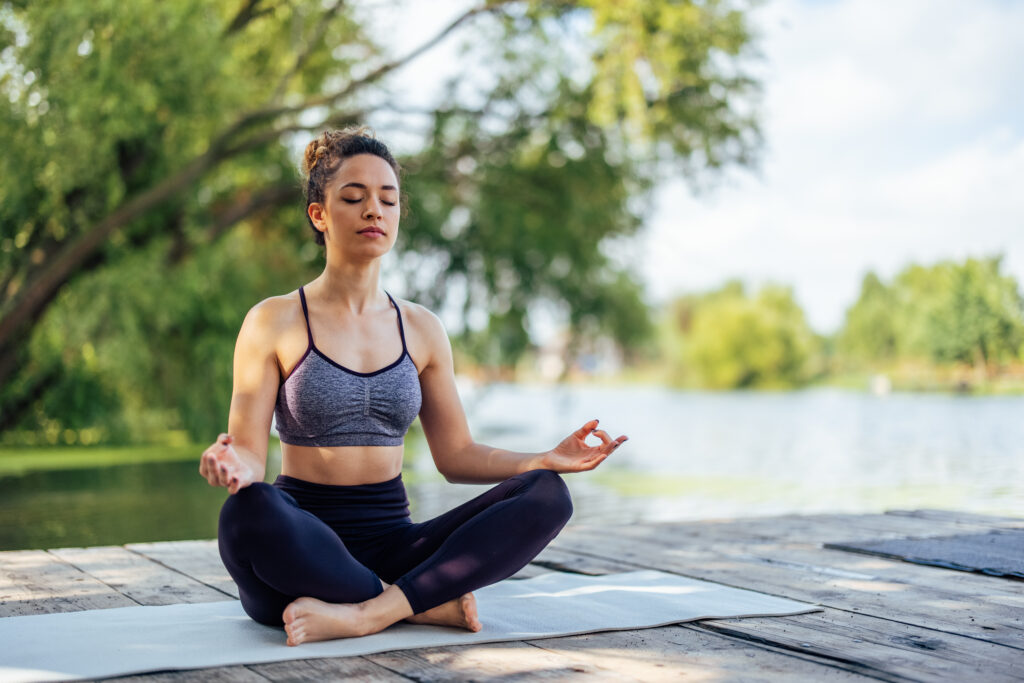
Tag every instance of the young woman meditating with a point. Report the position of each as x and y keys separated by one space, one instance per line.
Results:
x=329 y=549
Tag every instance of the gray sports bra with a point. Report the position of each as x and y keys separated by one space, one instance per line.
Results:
x=322 y=403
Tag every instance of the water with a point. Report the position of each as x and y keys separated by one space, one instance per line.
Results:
x=691 y=455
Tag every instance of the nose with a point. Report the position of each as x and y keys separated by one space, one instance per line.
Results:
x=372 y=209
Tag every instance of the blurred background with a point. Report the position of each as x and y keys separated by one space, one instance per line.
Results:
x=778 y=244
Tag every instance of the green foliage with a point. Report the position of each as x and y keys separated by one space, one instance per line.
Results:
x=727 y=339
x=967 y=312
x=870 y=330
x=150 y=194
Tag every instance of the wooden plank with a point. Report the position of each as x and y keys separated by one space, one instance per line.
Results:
x=223 y=674
x=843 y=564
x=199 y=560
x=136 y=576
x=876 y=646
x=809 y=556
x=965 y=518
x=674 y=652
x=554 y=558
x=839 y=586
x=331 y=669
x=507 y=661
x=860 y=642
x=36 y=582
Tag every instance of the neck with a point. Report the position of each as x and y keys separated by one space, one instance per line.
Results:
x=353 y=286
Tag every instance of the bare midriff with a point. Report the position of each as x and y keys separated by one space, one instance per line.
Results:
x=341 y=465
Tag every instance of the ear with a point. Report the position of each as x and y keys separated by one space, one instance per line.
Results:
x=318 y=215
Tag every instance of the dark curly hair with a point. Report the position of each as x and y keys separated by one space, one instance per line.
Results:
x=326 y=152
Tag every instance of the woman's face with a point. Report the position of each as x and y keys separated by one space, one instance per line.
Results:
x=360 y=211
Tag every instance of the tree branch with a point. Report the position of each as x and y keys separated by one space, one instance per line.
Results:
x=246 y=14
x=331 y=99
x=275 y=195
x=33 y=296
x=322 y=27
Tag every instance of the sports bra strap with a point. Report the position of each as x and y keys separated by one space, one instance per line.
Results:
x=305 y=314
x=401 y=327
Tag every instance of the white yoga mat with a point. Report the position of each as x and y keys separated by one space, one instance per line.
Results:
x=124 y=640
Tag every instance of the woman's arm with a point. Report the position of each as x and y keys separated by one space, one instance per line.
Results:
x=457 y=456
x=239 y=457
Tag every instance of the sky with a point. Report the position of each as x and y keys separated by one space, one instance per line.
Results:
x=893 y=134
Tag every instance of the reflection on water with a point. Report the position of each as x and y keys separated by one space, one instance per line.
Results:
x=690 y=456
x=107 y=505
x=695 y=455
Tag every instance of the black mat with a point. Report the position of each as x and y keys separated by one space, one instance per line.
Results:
x=999 y=553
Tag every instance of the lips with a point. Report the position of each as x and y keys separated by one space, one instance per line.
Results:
x=371 y=229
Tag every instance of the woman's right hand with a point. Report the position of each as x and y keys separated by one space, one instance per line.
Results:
x=222 y=466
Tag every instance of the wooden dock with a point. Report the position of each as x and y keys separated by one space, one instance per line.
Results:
x=883 y=620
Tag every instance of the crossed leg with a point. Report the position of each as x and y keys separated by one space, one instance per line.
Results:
x=434 y=565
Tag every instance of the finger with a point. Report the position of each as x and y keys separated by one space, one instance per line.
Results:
x=224 y=474
x=591 y=463
x=223 y=438
x=603 y=435
x=582 y=432
x=615 y=444
x=207 y=463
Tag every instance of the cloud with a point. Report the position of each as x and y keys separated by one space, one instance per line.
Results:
x=894 y=134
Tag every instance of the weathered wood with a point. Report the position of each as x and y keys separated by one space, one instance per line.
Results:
x=199 y=560
x=36 y=582
x=875 y=646
x=886 y=620
x=223 y=674
x=965 y=518
x=843 y=564
x=136 y=576
x=673 y=652
x=879 y=647
x=330 y=669
x=504 y=661
x=835 y=586
x=555 y=558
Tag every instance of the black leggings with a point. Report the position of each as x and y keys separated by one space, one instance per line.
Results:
x=297 y=538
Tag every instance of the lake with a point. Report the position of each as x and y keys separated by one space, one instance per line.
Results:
x=691 y=455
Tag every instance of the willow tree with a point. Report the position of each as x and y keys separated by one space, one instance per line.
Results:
x=148 y=156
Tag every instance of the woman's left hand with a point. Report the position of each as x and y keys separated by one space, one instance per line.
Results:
x=574 y=455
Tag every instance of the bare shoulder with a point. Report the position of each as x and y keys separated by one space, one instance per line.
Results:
x=425 y=333
x=272 y=318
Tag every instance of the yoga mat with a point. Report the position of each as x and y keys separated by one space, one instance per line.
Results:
x=124 y=640
x=999 y=553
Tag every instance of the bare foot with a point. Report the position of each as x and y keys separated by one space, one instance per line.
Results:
x=307 y=620
x=460 y=612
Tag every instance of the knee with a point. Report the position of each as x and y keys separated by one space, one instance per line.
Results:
x=247 y=509
x=548 y=492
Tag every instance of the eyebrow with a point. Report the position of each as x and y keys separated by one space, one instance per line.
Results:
x=363 y=187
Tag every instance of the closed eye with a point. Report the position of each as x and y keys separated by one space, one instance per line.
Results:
x=356 y=201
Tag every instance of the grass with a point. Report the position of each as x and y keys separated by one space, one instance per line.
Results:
x=16 y=460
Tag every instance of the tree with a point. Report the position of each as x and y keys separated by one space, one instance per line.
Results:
x=732 y=340
x=157 y=130
x=950 y=312
x=870 y=332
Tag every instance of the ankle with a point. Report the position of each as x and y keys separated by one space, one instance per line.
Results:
x=366 y=622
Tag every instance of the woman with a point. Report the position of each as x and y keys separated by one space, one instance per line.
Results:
x=329 y=549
